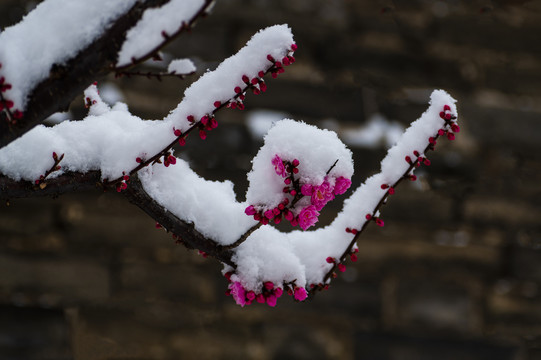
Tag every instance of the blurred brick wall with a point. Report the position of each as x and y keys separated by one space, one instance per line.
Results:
x=454 y=274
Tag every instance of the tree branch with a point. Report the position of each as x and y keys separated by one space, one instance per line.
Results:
x=67 y=81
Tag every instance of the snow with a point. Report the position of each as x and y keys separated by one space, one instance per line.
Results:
x=46 y=41
x=147 y=33
x=210 y=205
x=315 y=149
x=378 y=131
x=307 y=251
x=181 y=66
x=260 y=121
x=110 y=139
x=219 y=85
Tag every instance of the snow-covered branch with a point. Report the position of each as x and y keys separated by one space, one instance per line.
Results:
x=43 y=66
x=299 y=169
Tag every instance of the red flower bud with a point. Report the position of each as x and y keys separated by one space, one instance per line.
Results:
x=217 y=104
x=238 y=90
x=446 y=108
x=330 y=260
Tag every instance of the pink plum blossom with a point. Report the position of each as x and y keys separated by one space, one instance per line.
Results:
x=322 y=195
x=238 y=293
x=300 y=294
x=279 y=166
x=271 y=300
x=341 y=185
x=307 y=190
x=308 y=217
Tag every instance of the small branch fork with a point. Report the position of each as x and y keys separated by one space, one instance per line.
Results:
x=373 y=215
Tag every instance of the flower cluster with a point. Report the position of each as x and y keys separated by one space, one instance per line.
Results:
x=268 y=294
x=303 y=213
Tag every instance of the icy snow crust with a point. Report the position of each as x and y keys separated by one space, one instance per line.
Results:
x=46 y=41
x=147 y=33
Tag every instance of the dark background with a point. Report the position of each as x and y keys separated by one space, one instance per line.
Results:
x=454 y=274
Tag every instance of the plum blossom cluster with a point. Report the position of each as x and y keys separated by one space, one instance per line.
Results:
x=268 y=294
x=302 y=202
